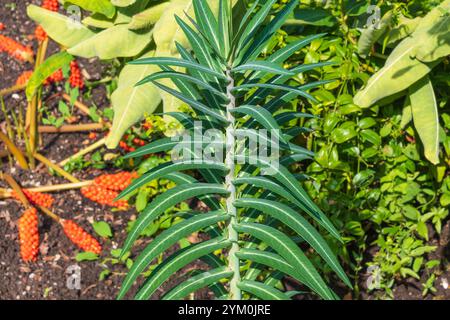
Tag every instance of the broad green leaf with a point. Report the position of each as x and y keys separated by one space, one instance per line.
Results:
x=148 y=17
x=426 y=117
x=291 y=253
x=45 y=70
x=312 y=16
x=202 y=280
x=123 y=3
x=104 y=44
x=262 y=291
x=371 y=34
x=175 y=262
x=166 y=201
x=131 y=103
x=300 y=225
x=102 y=229
x=64 y=30
x=167 y=239
x=100 y=6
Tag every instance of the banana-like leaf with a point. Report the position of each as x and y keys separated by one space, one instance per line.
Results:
x=123 y=3
x=64 y=30
x=371 y=34
x=177 y=261
x=426 y=117
x=131 y=103
x=104 y=44
x=148 y=17
x=262 y=291
x=167 y=239
x=411 y=60
x=100 y=6
x=45 y=70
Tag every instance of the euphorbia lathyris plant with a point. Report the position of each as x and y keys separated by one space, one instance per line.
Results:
x=259 y=211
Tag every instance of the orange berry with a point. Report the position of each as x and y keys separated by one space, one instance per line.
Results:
x=29 y=235
x=2 y=26
x=23 y=78
x=80 y=237
x=115 y=182
x=36 y=198
x=92 y=136
x=103 y=196
x=15 y=49
x=40 y=33
x=75 y=79
x=51 y=5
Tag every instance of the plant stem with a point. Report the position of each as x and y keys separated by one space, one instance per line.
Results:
x=7 y=193
x=71 y=128
x=235 y=292
x=55 y=167
x=81 y=153
x=15 y=186
x=14 y=150
x=12 y=89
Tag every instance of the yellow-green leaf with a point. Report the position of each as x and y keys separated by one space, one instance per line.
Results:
x=426 y=118
x=131 y=103
x=100 y=6
x=65 y=31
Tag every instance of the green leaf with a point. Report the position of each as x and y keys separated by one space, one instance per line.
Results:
x=291 y=253
x=166 y=201
x=102 y=229
x=426 y=117
x=262 y=66
x=64 y=30
x=371 y=34
x=180 y=63
x=165 y=240
x=100 y=6
x=123 y=3
x=170 y=167
x=104 y=44
x=300 y=225
x=175 y=262
x=202 y=280
x=45 y=70
x=292 y=90
x=341 y=135
x=262 y=290
x=86 y=256
x=148 y=17
x=313 y=16
x=131 y=103
x=207 y=22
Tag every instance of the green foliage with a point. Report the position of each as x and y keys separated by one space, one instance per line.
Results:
x=248 y=224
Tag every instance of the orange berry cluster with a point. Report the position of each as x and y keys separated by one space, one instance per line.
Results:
x=131 y=147
x=103 y=196
x=57 y=76
x=75 y=79
x=15 y=49
x=29 y=235
x=37 y=198
x=23 y=78
x=2 y=26
x=51 y=5
x=80 y=237
x=115 y=182
x=40 y=33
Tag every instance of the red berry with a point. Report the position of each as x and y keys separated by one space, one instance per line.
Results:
x=29 y=235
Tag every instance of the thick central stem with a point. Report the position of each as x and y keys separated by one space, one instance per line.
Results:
x=235 y=292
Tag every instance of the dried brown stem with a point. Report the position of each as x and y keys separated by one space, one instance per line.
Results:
x=15 y=186
x=71 y=128
x=85 y=151
x=55 y=167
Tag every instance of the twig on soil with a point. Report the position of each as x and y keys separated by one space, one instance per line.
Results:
x=14 y=150
x=50 y=214
x=15 y=186
x=85 y=151
x=6 y=91
x=71 y=128
x=55 y=167
x=83 y=108
x=7 y=193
